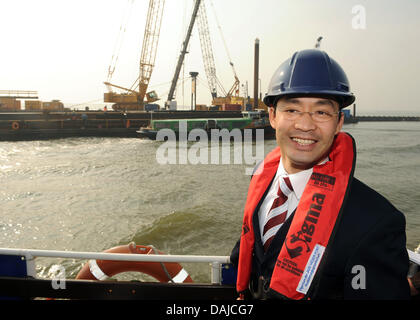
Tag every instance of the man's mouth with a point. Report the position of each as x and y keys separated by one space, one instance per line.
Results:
x=303 y=142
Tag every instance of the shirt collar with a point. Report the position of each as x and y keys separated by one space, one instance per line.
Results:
x=299 y=179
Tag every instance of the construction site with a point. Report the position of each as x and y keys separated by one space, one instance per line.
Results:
x=24 y=115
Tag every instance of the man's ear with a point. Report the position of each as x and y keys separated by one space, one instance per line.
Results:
x=340 y=122
x=272 y=116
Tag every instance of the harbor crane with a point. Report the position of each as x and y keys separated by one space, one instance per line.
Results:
x=199 y=11
x=134 y=99
x=182 y=55
x=234 y=90
x=207 y=51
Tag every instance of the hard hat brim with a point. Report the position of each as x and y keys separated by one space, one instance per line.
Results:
x=343 y=99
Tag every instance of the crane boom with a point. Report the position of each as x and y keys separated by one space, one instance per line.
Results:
x=235 y=86
x=150 y=44
x=183 y=51
x=108 y=84
x=207 y=51
x=120 y=40
x=135 y=99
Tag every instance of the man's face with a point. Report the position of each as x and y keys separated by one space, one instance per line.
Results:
x=304 y=141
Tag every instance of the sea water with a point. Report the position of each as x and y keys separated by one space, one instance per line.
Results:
x=91 y=194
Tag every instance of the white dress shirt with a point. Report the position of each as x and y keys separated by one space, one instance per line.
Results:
x=298 y=181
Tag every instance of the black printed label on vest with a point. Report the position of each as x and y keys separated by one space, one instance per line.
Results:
x=289 y=266
x=322 y=180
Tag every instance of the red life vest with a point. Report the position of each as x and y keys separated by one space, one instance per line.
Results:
x=313 y=223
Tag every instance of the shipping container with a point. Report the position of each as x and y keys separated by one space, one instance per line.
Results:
x=54 y=105
x=231 y=107
x=9 y=104
x=33 y=105
x=201 y=107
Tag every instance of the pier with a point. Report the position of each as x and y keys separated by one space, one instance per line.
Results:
x=387 y=118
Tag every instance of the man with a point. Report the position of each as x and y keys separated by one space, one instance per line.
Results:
x=311 y=230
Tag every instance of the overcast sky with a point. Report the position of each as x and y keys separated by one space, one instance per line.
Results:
x=62 y=48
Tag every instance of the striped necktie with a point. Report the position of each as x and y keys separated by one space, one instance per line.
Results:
x=278 y=212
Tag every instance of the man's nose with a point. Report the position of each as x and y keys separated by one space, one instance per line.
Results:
x=305 y=122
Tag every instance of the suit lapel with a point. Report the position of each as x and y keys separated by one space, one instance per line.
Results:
x=259 y=249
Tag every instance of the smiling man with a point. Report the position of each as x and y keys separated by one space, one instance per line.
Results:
x=310 y=229
x=305 y=130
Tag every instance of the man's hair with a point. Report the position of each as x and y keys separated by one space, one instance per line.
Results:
x=328 y=97
x=289 y=97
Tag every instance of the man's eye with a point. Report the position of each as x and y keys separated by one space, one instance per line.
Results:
x=291 y=111
x=322 y=113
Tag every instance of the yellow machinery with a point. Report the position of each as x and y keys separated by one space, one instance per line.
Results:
x=132 y=99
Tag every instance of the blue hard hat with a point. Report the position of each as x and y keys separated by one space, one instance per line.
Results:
x=310 y=72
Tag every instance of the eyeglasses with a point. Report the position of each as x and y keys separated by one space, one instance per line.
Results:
x=317 y=116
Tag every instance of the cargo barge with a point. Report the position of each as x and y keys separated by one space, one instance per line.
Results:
x=249 y=120
x=179 y=126
x=36 y=125
x=49 y=125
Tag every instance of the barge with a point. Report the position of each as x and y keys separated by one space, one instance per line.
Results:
x=35 y=125
x=178 y=126
x=49 y=125
x=250 y=120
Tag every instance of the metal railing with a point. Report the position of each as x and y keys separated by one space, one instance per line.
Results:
x=214 y=261
x=30 y=255
x=19 y=94
x=414 y=257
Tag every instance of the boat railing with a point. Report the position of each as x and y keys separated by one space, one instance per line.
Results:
x=414 y=257
x=30 y=255
x=215 y=262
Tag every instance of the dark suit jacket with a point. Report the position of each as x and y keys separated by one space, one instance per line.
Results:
x=367 y=259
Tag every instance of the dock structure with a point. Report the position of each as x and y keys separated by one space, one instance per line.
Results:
x=387 y=118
